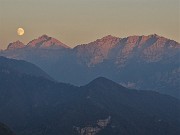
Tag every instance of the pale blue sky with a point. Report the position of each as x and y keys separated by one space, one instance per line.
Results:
x=81 y=21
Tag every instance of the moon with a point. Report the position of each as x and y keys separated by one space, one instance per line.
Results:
x=20 y=31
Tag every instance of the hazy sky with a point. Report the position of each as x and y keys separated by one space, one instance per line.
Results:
x=81 y=21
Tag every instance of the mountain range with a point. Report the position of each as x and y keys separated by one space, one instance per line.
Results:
x=32 y=104
x=142 y=62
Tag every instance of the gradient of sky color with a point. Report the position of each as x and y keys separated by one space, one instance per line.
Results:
x=80 y=21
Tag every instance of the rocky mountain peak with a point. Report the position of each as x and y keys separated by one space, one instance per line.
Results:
x=154 y=35
x=140 y=39
x=107 y=40
x=147 y=41
x=46 y=42
x=133 y=39
x=96 y=51
x=44 y=37
x=15 y=45
x=109 y=37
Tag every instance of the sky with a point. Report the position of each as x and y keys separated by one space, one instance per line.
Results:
x=75 y=22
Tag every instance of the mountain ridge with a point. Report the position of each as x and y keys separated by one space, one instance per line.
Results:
x=141 y=62
x=44 y=42
x=50 y=40
x=15 y=45
x=42 y=106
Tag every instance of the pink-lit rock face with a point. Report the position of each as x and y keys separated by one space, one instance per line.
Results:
x=95 y=52
x=149 y=48
x=159 y=49
x=46 y=42
x=15 y=45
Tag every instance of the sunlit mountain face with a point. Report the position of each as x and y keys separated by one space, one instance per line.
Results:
x=142 y=62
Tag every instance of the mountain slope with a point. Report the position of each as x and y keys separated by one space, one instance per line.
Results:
x=101 y=107
x=15 y=45
x=46 y=42
x=95 y=52
x=141 y=62
x=21 y=67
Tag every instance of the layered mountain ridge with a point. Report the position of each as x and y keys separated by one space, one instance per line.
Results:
x=15 y=45
x=46 y=41
x=151 y=47
x=142 y=62
x=33 y=105
x=42 y=42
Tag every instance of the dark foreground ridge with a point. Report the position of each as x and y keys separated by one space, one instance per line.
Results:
x=21 y=67
x=33 y=105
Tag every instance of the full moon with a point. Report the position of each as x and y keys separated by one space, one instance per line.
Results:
x=20 y=31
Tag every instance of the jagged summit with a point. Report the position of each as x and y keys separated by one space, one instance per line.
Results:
x=108 y=37
x=154 y=41
x=15 y=45
x=140 y=39
x=150 y=48
x=96 y=51
x=45 y=37
x=46 y=42
x=107 y=40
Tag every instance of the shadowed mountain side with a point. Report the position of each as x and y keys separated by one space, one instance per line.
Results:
x=21 y=67
x=35 y=106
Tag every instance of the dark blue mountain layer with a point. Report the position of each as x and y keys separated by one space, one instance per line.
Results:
x=33 y=105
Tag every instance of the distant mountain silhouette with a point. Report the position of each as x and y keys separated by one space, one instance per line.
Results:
x=34 y=105
x=21 y=67
x=141 y=62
